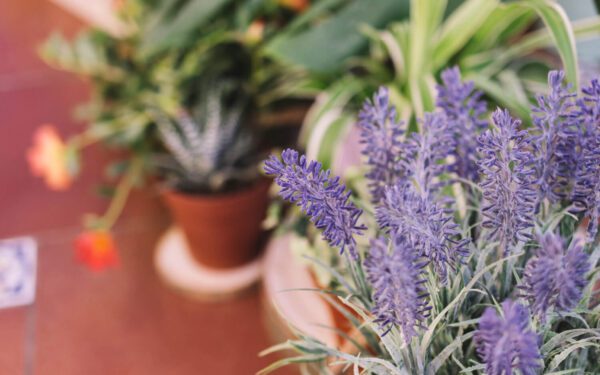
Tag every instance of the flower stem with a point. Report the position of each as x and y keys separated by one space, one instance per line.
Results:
x=124 y=187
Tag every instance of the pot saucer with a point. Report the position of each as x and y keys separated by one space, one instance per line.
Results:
x=176 y=266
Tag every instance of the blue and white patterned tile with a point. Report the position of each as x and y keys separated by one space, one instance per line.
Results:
x=18 y=265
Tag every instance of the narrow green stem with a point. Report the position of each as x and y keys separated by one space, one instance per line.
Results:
x=119 y=200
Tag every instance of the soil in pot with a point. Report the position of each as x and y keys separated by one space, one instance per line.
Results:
x=222 y=230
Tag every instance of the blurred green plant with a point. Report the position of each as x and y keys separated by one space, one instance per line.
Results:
x=172 y=47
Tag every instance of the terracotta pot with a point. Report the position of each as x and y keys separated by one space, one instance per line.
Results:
x=222 y=230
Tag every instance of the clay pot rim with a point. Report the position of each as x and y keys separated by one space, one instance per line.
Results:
x=208 y=198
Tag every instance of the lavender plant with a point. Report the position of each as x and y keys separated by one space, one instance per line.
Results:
x=493 y=289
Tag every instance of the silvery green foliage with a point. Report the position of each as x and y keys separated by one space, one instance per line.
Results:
x=440 y=291
x=208 y=145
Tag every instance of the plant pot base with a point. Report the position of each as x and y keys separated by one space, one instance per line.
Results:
x=178 y=269
x=286 y=302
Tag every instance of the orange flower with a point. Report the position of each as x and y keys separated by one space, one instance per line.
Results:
x=295 y=5
x=96 y=249
x=255 y=31
x=48 y=158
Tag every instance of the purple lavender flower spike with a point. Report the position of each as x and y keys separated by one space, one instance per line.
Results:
x=554 y=117
x=509 y=197
x=466 y=111
x=507 y=343
x=324 y=199
x=381 y=133
x=398 y=286
x=425 y=153
x=426 y=224
x=586 y=192
x=555 y=278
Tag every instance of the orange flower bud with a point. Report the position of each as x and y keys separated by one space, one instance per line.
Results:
x=254 y=33
x=48 y=158
x=295 y=5
x=96 y=249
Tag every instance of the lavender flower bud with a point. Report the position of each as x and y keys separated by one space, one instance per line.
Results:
x=555 y=278
x=426 y=225
x=586 y=192
x=425 y=153
x=506 y=343
x=554 y=118
x=399 y=293
x=381 y=132
x=509 y=197
x=466 y=112
x=322 y=198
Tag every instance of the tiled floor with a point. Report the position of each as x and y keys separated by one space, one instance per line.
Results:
x=124 y=321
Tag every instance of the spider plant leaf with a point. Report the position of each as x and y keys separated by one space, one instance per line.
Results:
x=458 y=29
x=504 y=22
x=425 y=18
x=562 y=34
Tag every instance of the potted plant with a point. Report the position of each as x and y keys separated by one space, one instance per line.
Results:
x=212 y=183
x=168 y=49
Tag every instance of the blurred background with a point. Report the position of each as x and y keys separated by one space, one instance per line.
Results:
x=124 y=321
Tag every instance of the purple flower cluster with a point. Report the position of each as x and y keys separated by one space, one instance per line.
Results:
x=466 y=112
x=586 y=192
x=381 y=133
x=426 y=153
x=425 y=224
x=397 y=279
x=322 y=198
x=556 y=159
x=506 y=343
x=555 y=278
x=509 y=195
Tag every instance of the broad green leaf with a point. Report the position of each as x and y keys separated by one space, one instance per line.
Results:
x=460 y=27
x=561 y=32
x=427 y=337
x=326 y=46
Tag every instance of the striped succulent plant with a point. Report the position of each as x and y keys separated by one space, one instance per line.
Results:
x=209 y=148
